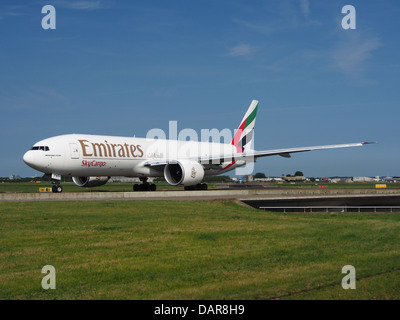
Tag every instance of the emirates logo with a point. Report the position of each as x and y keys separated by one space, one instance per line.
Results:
x=194 y=172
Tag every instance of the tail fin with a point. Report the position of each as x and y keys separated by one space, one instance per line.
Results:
x=244 y=134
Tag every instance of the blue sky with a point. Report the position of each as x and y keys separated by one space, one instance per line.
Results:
x=125 y=67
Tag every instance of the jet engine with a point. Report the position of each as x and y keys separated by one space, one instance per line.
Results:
x=90 y=181
x=186 y=173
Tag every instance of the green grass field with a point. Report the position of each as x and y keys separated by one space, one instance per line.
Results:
x=31 y=187
x=193 y=250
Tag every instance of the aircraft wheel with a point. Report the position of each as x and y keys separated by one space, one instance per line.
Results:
x=153 y=187
x=57 y=189
x=144 y=187
x=135 y=187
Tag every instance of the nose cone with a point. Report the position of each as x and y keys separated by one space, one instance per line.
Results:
x=31 y=159
x=27 y=157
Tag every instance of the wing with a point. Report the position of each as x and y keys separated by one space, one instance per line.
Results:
x=252 y=155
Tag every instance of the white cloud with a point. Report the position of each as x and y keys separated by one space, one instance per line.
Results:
x=12 y=11
x=263 y=27
x=351 y=54
x=240 y=50
x=79 y=5
x=305 y=7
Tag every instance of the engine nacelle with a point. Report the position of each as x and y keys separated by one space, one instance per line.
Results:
x=186 y=173
x=90 y=181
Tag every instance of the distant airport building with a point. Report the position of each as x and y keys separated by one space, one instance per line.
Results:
x=246 y=178
x=14 y=177
x=391 y=179
x=294 y=179
x=365 y=179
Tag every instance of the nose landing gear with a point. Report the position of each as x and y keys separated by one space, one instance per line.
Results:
x=56 y=188
x=55 y=180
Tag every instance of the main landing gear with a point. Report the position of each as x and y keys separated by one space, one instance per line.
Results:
x=145 y=186
x=199 y=186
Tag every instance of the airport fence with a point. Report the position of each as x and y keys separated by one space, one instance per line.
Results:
x=311 y=209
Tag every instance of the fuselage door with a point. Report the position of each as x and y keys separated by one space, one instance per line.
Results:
x=73 y=147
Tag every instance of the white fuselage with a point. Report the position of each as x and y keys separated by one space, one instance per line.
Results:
x=84 y=155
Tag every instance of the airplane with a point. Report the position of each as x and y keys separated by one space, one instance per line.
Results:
x=91 y=160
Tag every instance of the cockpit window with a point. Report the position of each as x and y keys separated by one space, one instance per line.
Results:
x=43 y=148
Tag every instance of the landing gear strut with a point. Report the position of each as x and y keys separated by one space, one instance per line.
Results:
x=145 y=186
x=199 y=186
